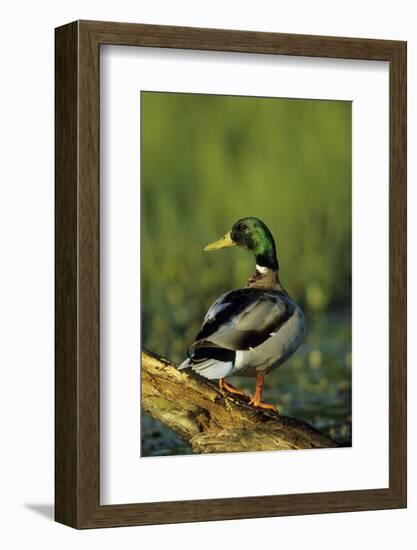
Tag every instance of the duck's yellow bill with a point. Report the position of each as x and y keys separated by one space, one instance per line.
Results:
x=224 y=242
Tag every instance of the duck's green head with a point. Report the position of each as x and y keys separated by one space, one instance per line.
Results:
x=252 y=234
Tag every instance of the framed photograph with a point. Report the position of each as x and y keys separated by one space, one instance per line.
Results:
x=195 y=383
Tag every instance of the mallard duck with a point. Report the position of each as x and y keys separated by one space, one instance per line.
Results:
x=252 y=330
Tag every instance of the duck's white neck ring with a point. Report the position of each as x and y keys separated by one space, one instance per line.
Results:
x=262 y=269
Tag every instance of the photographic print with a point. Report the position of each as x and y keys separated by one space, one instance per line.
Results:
x=213 y=238
x=245 y=273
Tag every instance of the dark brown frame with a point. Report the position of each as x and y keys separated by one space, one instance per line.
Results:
x=77 y=274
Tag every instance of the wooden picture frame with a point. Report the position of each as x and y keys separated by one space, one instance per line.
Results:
x=77 y=405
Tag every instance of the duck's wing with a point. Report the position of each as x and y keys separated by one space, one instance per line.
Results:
x=244 y=319
x=239 y=320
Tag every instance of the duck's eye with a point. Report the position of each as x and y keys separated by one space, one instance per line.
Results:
x=242 y=227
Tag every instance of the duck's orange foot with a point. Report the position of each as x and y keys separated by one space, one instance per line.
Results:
x=223 y=385
x=257 y=403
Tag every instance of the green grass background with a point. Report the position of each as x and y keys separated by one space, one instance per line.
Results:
x=207 y=161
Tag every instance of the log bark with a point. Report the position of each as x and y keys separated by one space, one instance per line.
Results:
x=213 y=421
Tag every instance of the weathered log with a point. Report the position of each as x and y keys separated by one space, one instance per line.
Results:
x=213 y=421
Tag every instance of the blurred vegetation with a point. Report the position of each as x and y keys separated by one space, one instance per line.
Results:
x=207 y=161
